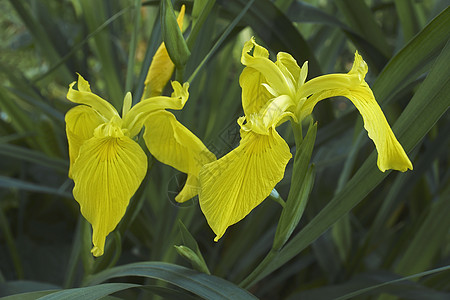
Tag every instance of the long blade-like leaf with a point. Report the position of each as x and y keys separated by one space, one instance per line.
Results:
x=203 y=285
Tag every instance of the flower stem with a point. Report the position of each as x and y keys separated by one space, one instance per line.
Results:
x=179 y=74
x=250 y=279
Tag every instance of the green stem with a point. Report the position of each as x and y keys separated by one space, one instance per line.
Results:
x=198 y=24
x=248 y=282
x=179 y=74
x=298 y=134
x=277 y=198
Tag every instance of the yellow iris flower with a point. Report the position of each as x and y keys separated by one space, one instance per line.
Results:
x=272 y=93
x=108 y=165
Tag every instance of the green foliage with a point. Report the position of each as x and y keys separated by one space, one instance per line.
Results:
x=346 y=230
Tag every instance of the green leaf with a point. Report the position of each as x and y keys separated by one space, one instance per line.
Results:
x=428 y=240
x=301 y=185
x=27 y=91
x=11 y=288
x=173 y=37
x=20 y=120
x=7 y=182
x=222 y=38
x=169 y=293
x=90 y=292
x=282 y=36
x=303 y=12
x=200 y=12
x=203 y=285
x=95 y=13
x=408 y=18
x=10 y=243
x=26 y=154
x=408 y=63
x=133 y=44
x=403 y=184
x=28 y=296
x=423 y=111
x=361 y=18
x=372 y=284
x=341 y=230
x=395 y=281
x=342 y=236
x=191 y=243
x=41 y=37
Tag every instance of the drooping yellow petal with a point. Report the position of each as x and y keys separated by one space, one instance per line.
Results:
x=135 y=118
x=161 y=68
x=173 y=144
x=272 y=73
x=238 y=182
x=81 y=122
x=353 y=78
x=190 y=189
x=86 y=97
x=352 y=85
x=107 y=173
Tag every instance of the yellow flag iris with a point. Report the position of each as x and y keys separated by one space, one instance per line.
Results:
x=108 y=165
x=272 y=93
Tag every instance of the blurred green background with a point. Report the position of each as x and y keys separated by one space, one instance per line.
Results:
x=362 y=229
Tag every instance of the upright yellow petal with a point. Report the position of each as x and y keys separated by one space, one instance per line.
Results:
x=81 y=122
x=161 y=68
x=352 y=85
x=288 y=65
x=107 y=173
x=254 y=94
x=135 y=118
x=159 y=73
x=86 y=97
x=238 y=182
x=273 y=75
x=174 y=145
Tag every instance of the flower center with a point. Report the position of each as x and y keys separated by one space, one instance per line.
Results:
x=113 y=128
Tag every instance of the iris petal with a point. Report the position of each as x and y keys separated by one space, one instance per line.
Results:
x=238 y=182
x=191 y=189
x=86 y=97
x=136 y=117
x=260 y=61
x=288 y=65
x=80 y=124
x=352 y=85
x=107 y=173
x=173 y=144
x=254 y=94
